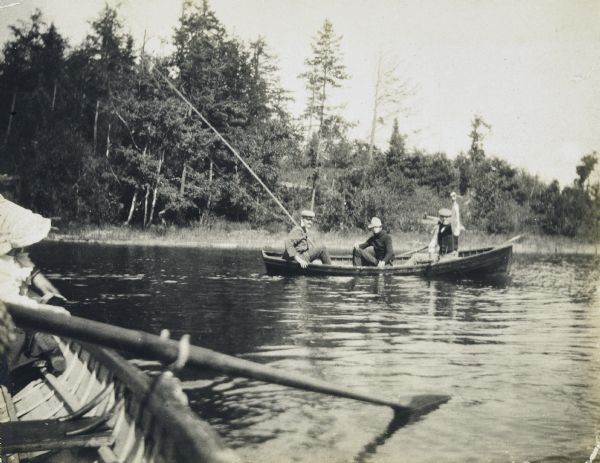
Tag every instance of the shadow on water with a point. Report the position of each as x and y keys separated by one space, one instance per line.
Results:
x=499 y=280
x=421 y=405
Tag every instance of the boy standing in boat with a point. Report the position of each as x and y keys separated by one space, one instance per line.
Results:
x=377 y=250
x=298 y=245
x=443 y=240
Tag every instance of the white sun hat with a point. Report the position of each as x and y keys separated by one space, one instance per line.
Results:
x=20 y=227
x=375 y=222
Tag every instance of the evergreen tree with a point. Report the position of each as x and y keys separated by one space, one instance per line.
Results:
x=587 y=165
x=477 y=134
x=237 y=91
x=325 y=71
x=397 y=149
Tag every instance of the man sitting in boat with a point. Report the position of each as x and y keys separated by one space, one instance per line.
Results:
x=443 y=242
x=298 y=245
x=377 y=250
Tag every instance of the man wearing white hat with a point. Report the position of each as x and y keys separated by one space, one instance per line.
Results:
x=298 y=245
x=377 y=250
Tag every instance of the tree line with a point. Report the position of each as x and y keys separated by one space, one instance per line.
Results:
x=94 y=134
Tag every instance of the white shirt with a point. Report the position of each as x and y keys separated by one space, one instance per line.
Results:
x=455 y=219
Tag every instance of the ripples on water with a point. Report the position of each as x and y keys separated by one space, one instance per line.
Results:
x=519 y=356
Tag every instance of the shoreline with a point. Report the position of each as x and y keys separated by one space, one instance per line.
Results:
x=255 y=239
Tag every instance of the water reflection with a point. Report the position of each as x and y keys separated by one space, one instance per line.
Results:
x=518 y=355
x=441 y=298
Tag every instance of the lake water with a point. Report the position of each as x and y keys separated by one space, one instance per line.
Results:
x=519 y=357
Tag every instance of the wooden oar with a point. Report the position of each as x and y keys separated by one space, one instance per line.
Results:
x=153 y=347
x=512 y=240
x=414 y=251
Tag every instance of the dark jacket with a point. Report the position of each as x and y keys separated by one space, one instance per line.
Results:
x=446 y=240
x=382 y=246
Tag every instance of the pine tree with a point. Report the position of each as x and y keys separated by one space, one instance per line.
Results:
x=325 y=71
x=397 y=149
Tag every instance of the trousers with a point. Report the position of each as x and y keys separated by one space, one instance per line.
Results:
x=365 y=257
x=317 y=252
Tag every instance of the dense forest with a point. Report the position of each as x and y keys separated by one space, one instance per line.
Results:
x=95 y=134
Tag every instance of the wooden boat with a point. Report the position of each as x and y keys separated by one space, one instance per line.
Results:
x=110 y=411
x=102 y=408
x=469 y=263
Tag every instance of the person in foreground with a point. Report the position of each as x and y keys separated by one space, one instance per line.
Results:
x=298 y=245
x=443 y=242
x=21 y=283
x=377 y=250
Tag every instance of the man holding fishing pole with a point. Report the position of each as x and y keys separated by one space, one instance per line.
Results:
x=298 y=245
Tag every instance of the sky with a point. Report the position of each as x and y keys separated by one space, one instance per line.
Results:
x=530 y=68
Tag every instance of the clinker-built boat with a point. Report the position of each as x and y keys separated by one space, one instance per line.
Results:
x=469 y=263
x=101 y=407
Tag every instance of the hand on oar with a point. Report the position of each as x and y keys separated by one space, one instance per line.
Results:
x=301 y=261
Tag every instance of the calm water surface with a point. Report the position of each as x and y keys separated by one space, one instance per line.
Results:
x=519 y=357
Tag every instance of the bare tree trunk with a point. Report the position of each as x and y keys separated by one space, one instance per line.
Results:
x=154 y=195
x=318 y=148
x=77 y=197
x=310 y=114
x=10 y=117
x=132 y=208
x=96 y=125
x=147 y=187
x=155 y=191
x=206 y=213
x=375 y=109
x=53 y=96
x=182 y=186
x=108 y=140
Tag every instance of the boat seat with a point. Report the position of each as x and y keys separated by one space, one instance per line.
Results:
x=42 y=435
x=54 y=434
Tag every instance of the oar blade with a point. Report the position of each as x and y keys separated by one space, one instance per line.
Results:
x=423 y=404
x=404 y=415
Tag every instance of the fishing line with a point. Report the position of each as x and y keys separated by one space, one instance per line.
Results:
x=231 y=148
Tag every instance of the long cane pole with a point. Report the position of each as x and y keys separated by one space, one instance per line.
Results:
x=227 y=144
